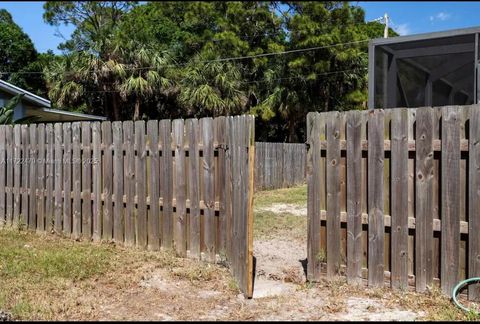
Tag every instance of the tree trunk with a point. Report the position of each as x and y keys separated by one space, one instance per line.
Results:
x=116 y=107
x=136 y=113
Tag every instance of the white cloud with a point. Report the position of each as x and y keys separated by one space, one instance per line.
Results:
x=403 y=29
x=442 y=16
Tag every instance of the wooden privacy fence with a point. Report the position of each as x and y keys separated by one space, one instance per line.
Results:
x=181 y=184
x=279 y=165
x=395 y=195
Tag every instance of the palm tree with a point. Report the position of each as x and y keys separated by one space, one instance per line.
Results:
x=71 y=77
x=147 y=73
x=212 y=87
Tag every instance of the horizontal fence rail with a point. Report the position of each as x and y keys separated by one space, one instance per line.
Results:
x=394 y=196
x=182 y=184
x=279 y=165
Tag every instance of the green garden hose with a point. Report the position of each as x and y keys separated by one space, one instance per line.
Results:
x=460 y=285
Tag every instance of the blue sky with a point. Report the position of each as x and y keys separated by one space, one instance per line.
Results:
x=408 y=17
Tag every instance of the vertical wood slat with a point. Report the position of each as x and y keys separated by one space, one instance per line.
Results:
x=140 y=183
x=180 y=188
x=208 y=192
x=238 y=194
x=354 y=197
x=25 y=176
x=3 y=220
x=424 y=198
x=58 y=202
x=219 y=138
x=333 y=194
x=67 y=179
x=316 y=197
x=9 y=167
x=17 y=168
x=97 y=181
x=118 y=217
x=166 y=170
x=129 y=182
x=154 y=186
x=399 y=199
x=193 y=187
x=376 y=228
x=31 y=188
x=236 y=176
x=107 y=224
x=474 y=202
x=76 y=181
x=229 y=194
x=250 y=141
x=40 y=165
x=49 y=178
x=450 y=174
x=86 y=167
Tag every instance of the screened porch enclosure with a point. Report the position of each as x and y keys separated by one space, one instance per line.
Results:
x=436 y=69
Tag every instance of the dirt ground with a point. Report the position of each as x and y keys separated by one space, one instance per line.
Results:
x=158 y=286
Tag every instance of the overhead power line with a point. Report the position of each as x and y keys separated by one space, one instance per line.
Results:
x=264 y=79
x=226 y=59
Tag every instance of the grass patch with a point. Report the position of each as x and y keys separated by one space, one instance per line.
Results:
x=294 y=195
x=46 y=277
x=268 y=224
x=30 y=263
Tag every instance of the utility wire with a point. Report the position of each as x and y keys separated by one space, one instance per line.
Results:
x=226 y=59
x=262 y=80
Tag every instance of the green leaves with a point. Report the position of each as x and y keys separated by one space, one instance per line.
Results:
x=7 y=111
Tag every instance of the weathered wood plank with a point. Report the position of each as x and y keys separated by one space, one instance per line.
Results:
x=76 y=181
x=17 y=167
x=118 y=217
x=250 y=141
x=9 y=167
x=58 y=201
x=474 y=202
x=399 y=199
x=424 y=199
x=86 y=183
x=219 y=138
x=333 y=194
x=180 y=240
x=154 y=186
x=140 y=183
x=376 y=229
x=3 y=220
x=316 y=198
x=97 y=181
x=49 y=177
x=67 y=179
x=354 y=197
x=129 y=182
x=166 y=170
x=40 y=165
x=107 y=223
x=228 y=184
x=193 y=187
x=208 y=192
x=24 y=220
x=450 y=174
x=31 y=187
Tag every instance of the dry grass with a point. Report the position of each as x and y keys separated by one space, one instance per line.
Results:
x=45 y=277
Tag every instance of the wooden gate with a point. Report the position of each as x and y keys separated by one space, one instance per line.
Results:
x=393 y=196
x=181 y=184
